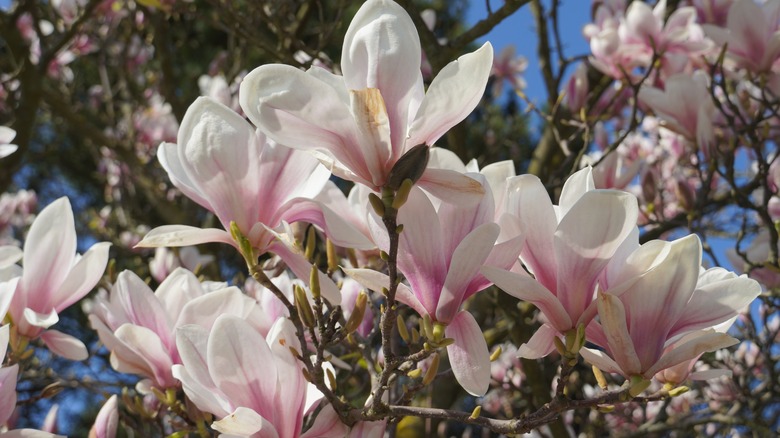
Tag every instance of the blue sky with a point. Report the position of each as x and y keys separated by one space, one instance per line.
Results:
x=519 y=29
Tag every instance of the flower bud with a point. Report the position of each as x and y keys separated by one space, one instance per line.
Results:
x=357 y=313
x=411 y=165
x=402 y=195
x=314 y=282
x=302 y=304
x=430 y=374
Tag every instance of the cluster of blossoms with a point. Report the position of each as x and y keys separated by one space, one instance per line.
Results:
x=441 y=230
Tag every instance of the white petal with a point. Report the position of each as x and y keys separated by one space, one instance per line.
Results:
x=183 y=235
x=469 y=356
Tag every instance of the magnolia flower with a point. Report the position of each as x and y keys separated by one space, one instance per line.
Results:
x=653 y=295
x=165 y=261
x=219 y=373
x=107 y=420
x=6 y=137
x=756 y=253
x=685 y=106
x=441 y=250
x=53 y=278
x=138 y=326
x=566 y=248
x=7 y=379
x=508 y=67
x=752 y=34
x=362 y=123
x=223 y=164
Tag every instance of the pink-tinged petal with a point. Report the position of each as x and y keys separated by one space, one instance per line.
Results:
x=141 y=307
x=613 y=321
x=327 y=425
x=147 y=345
x=451 y=186
x=9 y=255
x=469 y=356
x=452 y=95
x=48 y=256
x=503 y=255
x=528 y=200
x=8 y=391
x=192 y=342
x=234 y=349
x=464 y=266
x=205 y=310
x=382 y=50
x=183 y=235
x=82 y=277
x=497 y=175
x=541 y=343
x=528 y=289
x=457 y=221
x=301 y=110
x=123 y=357
x=168 y=156
x=341 y=232
x=715 y=302
x=286 y=174
x=301 y=267
x=659 y=299
x=5 y=336
x=420 y=257
x=178 y=289
x=574 y=188
x=586 y=239
x=709 y=341
x=222 y=156
x=245 y=422
x=7 y=289
x=41 y=320
x=107 y=420
x=30 y=433
x=375 y=281
x=64 y=345
x=288 y=417
x=600 y=360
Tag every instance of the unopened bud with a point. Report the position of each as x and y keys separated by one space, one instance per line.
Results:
x=302 y=304
x=600 y=379
x=606 y=409
x=333 y=260
x=377 y=204
x=430 y=374
x=411 y=166
x=680 y=390
x=357 y=313
x=559 y=346
x=438 y=331
x=496 y=354
x=427 y=326
x=475 y=413
x=415 y=335
x=331 y=378
x=415 y=373
x=314 y=282
x=402 y=195
x=638 y=385
x=399 y=229
x=446 y=342
x=402 y=329
x=311 y=244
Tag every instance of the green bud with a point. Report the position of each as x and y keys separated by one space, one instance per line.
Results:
x=402 y=195
x=638 y=385
x=314 y=282
x=680 y=390
x=311 y=244
x=402 y=330
x=438 y=331
x=496 y=354
x=377 y=204
x=302 y=304
x=430 y=374
x=475 y=413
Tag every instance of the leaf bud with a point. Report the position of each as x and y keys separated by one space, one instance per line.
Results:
x=475 y=413
x=402 y=195
x=302 y=304
x=430 y=374
x=357 y=313
x=402 y=330
x=377 y=204
x=314 y=282
x=496 y=354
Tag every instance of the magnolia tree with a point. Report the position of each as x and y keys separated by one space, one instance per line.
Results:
x=301 y=250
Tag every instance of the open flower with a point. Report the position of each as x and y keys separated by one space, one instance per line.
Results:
x=138 y=326
x=362 y=123
x=220 y=374
x=566 y=248
x=223 y=164
x=54 y=277
x=654 y=297
x=441 y=250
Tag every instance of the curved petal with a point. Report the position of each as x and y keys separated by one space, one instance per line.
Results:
x=205 y=309
x=107 y=420
x=541 y=343
x=8 y=377
x=168 y=156
x=600 y=360
x=453 y=94
x=82 y=277
x=328 y=425
x=528 y=289
x=234 y=348
x=574 y=188
x=464 y=266
x=245 y=422
x=340 y=231
x=48 y=256
x=710 y=341
x=451 y=186
x=183 y=235
x=382 y=50
x=147 y=345
x=64 y=345
x=613 y=322
x=9 y=255
x=469 y=356
x=289 y=404
x=192 y=342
